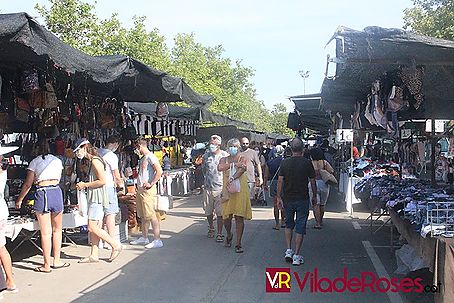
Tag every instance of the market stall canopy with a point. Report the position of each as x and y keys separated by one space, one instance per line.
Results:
x=313 y=117
x=228 y=132
x=25 y=43
x=276 y=136
x=364 y=56
x=188 y=113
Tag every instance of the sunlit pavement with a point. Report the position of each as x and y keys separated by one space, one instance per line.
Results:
x=192 y=268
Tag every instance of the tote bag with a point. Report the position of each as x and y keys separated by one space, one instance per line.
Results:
x=234 y=186
x=327 y=177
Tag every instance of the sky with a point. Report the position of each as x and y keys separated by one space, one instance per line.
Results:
x=276 y=38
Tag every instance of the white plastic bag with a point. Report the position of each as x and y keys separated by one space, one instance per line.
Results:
x=82 y=202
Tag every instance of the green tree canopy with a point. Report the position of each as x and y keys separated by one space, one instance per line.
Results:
x=205 y=69
x=433 y=18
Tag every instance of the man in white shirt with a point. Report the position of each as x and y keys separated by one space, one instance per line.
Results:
x=150 y=172
x=113 y=181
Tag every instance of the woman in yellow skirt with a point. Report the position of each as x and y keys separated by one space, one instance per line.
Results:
x=235 y=204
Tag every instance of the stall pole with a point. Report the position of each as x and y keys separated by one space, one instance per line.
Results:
x=432 y=157
x=351 y=180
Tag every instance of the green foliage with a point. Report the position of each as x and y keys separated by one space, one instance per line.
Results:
x=204 y=68
x=432 y=18
x=279 y=116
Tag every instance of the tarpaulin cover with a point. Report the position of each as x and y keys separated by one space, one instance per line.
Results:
x=188 y=113
x=25 y=43
x=364 y=56
x=309 y=107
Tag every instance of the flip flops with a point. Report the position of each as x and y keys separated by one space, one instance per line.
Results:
x=41 y=269
x=239 y=249
x=88 y=260
x=63 y=265
x=219 y=238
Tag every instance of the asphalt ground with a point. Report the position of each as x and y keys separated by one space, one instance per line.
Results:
x=192 y=268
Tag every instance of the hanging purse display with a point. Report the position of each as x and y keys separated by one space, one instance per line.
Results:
x=23 y=110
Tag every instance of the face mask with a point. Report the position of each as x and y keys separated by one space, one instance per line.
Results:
x=114 y=149
x=213 y=148
x=233 y=150
x=80 y=154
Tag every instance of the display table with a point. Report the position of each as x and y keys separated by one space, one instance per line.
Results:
x=30 y=229
x=438 y=252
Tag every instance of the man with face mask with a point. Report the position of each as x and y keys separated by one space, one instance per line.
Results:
x=113 y=181
x=253 y=167
x=213 y=186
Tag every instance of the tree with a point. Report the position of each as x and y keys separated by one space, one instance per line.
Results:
x=279 y=116
x=205 y=69
x=433 y=18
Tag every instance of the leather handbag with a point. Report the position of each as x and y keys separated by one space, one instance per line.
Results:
x=327 y=177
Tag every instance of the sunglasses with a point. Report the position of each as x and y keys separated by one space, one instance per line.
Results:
x=244 y=143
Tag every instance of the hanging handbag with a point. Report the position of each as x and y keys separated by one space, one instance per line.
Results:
x=326 y=176
x=234 y=186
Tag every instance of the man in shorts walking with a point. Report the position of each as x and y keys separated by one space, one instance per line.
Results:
x=213 y=186
x=293 y=196
x=150 y=172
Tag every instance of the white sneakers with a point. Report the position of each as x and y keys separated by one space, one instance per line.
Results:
x=147 y=243
x=288 y=255
x=297 y=260
x=140 y=241
x=155 y=244
x=291 y=257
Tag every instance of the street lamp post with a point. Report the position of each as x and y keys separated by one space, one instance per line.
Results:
x=304 y=74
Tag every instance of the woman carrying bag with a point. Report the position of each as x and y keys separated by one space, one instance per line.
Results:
x=236 y=201
x=97 y=200
x=320 y=165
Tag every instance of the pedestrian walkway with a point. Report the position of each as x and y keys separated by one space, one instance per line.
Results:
x=193 y=268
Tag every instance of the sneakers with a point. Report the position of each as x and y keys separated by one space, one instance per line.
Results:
x=155 y=244
x=140 y=241
x=297 y=260
x=288 y=255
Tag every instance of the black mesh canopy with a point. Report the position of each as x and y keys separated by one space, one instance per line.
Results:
x=25 y=43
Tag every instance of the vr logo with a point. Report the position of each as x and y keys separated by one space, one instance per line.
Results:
x=277 y=279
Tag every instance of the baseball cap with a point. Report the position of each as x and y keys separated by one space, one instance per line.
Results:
x=279 y=150
x=7 y=149
x=79 y=143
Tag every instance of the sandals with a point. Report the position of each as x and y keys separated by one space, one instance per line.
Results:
x=63 y=265
x=239 y=249
x=228 y=241
x=317 y=227
x=41 y=269
x=115 y=253
x=276 y=228
x=219 y=238
x=210 y=233
x=88 y=260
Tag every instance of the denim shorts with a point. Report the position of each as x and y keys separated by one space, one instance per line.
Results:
x=48 y=199
x=301 y=208
x=113 y=202
x=95 y=212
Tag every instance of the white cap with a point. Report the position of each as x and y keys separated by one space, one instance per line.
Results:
x=7 y=149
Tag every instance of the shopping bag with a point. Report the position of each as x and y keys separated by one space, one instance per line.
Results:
x=162 y=203
x=82 y=202
x=233 y=186
x=328 y=177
